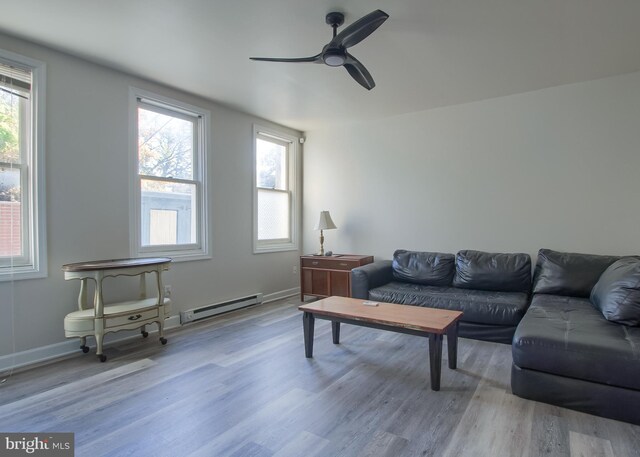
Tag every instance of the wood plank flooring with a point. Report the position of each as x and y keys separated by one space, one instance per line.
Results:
x=239 y=385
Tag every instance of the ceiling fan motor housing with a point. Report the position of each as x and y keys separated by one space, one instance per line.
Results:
x=334 y=57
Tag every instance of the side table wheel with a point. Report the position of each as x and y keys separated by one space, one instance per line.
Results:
x=163 y=340
x=145 y=334
x=102 y=357
x=84 y=348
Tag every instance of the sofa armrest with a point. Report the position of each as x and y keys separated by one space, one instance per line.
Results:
x=369 y=277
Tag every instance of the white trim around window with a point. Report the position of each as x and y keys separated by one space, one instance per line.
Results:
x=286 y=190
x=32 y=263
x=165 y=242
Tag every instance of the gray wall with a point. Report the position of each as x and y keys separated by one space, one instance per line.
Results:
x=88 y=200
x=555 y=168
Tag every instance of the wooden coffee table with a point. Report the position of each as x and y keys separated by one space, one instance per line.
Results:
x=413 y=320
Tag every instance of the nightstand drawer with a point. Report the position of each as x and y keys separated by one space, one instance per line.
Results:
x=329 y=263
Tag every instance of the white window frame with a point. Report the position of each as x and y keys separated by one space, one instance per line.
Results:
x=33 y=197
x=293 y=184
x=180 y=252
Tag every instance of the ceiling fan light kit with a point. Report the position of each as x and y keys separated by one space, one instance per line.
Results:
x=334 y=53
x=333 y=58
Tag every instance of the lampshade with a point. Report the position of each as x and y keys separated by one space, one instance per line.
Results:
x=325 y=222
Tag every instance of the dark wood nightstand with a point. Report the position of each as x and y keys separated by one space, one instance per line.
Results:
x=324 y=276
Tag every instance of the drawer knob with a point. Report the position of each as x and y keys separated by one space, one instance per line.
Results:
x=135 y=318
x=314 y=263
x=343 y=264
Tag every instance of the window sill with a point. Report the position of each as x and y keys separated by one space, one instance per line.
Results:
x=175 y=255
x=274 y=248
x=19 y=273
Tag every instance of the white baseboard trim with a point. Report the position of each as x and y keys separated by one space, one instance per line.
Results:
x=37 y=355
x=70 y=346
x=280 y=295
x=172 y=322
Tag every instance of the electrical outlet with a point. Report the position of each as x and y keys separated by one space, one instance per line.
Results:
x=167 y=291
x=295 y=269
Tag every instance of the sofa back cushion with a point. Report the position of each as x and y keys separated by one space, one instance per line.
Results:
x=428 y=268
x=489 y=271
x=617 y=292
x=566 y=273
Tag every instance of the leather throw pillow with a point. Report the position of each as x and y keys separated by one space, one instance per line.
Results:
x=617 y=292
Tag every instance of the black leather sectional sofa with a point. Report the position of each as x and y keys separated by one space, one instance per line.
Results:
x=574 y=330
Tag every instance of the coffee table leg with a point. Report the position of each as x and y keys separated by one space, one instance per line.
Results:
x=452 y=345
x=308 y=322
x=335 y=331
x=435 y=359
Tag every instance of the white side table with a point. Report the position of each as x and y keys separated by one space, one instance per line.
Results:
x=103 y=318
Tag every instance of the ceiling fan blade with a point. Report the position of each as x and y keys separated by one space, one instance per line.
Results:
x=359 y=72
x=359 y=30
x=317 y=58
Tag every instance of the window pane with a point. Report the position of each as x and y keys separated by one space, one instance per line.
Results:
x=10 y=184
x=273 y=215
x=165 y=145
x=9 y=128
x=10 y=229
x=271 y=165
x=161 y=198
x=163 y=226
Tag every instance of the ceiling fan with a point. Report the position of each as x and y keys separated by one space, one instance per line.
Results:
x=335 y=52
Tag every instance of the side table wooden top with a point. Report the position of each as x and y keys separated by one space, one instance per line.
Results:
x=351 y=257
x=112 y=264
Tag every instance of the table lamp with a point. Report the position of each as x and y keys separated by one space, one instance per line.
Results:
x=325 y=223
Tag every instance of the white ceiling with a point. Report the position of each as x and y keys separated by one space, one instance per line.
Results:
x=429 y=53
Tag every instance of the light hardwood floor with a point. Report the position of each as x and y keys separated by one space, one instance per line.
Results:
x=239 y=385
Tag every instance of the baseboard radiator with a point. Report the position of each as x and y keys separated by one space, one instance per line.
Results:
x=203 y=312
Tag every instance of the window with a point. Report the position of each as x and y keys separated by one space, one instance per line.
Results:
x=170 y=196
x=275 y=182
x=22 y=212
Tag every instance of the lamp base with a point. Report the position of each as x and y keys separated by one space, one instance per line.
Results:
x=321 y=251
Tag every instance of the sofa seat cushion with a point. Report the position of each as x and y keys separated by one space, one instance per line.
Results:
x=480 y=306
x=567 y=336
